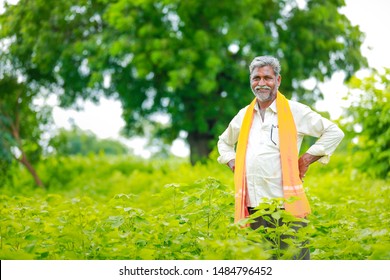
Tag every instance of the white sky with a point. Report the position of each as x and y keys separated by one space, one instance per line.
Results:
x=372 y=17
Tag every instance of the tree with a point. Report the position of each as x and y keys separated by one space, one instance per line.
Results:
x=370 y=121
x=20 y=126
x=187 y=59
x=79 y=142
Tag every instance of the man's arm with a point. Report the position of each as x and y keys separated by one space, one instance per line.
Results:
x=232 y=164
x=227 y=141
x=304 y=162
x=226 y=150
x=329 y=137
x=313 y=124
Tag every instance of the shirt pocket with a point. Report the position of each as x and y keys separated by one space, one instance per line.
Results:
x=272 y=132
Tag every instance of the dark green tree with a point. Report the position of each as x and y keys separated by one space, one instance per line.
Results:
x=187 y=59
x=20 y=126
x=369 y=122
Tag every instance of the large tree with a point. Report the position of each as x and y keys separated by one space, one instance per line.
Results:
x=187 y=59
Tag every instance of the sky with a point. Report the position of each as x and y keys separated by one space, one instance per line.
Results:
x=373 y=19
x=372 y=16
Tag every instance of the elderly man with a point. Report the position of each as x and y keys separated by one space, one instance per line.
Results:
x=268 y=133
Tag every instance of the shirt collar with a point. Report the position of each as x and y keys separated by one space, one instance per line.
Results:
x=272 y=107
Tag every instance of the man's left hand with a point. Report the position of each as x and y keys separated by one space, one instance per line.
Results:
x=304 y=162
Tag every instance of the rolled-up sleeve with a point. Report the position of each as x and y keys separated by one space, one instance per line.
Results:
x=228 y=139
x=327 y=143
x=329 y=134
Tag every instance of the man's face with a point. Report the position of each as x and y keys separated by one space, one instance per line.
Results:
x=264 y=83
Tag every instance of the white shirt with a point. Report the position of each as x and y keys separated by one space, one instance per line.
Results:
x=263 y=166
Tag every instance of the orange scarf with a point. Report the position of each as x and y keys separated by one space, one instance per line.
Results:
x=292 y=184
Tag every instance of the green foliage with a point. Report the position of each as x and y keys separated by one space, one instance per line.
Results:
x=285 y=230
x=18 y=120
x=369 y=122
x=79 y=142
x=21 y=124
x=350 y=213
x=187 y=59
x=101 y=207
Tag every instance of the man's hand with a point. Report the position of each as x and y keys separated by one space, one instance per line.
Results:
x=303 y=163
x=232 y=164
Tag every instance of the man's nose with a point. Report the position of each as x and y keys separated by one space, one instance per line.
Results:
x=261 y=82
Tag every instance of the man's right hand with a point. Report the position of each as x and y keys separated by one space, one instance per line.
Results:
x=232 y=164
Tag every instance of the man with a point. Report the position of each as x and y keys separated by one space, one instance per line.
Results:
x=268 y=134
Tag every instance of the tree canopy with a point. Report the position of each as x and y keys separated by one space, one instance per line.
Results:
x=187 y=59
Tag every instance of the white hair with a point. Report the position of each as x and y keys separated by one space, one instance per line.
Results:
x=261 y=61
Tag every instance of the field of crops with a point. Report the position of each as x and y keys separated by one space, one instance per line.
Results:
x=109 y=208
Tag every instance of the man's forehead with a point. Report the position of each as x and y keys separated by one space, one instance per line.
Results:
x=265 y=70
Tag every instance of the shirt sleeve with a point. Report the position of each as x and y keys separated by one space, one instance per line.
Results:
x=313 y=124
x=228 y=139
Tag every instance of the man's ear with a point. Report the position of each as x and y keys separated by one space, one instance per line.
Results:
x=279 y=80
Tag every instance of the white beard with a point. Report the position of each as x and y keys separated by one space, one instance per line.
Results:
x=262 y=96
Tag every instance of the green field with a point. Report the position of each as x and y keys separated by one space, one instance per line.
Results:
x=107 y=208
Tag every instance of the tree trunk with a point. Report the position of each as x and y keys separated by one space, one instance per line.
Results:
x=200 y=147
x=23 y=160
x=15 y=128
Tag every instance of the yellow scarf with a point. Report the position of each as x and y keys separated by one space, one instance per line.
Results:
x=292 y=184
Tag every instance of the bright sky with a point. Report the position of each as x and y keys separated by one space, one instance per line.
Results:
x=372 y=17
